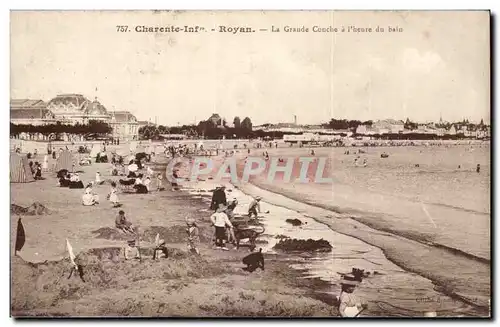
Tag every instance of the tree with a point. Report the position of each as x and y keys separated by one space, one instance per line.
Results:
x=146 y=132
x=246 y=124
x=237 y=122
x=410 y=125
x=162 y=129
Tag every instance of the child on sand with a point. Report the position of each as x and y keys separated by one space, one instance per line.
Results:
x=123 y=224
x=160 y=251
x=220 y=221
x=159 y=183
x=193 y=236
x=147 y=182
x=98 y=180
x=89 y=198
x=254 y=208
x=113 y=197
x=131 y=251
x=350 y=305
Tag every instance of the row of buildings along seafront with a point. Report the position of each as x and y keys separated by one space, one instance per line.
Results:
x=71 y=109
x=391 y=126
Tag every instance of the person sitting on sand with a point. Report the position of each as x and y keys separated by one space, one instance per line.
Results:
x=114 y=170
x=38 y=171
x=254 y=207
x=113 y=197
x=220 y=220
x=123 y=224
x=193 y=236
x=350 y=306
x=131 y=251
x=75 y=178
x=160 y=251
x=89 y=198
x=64 y=180
x=138 y=180
x=139 y=186
x=98 y=180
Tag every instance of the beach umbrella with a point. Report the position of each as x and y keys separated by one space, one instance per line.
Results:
x=21 y=236
x=71 y=254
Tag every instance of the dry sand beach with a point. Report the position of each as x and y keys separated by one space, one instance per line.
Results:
x=184 y=285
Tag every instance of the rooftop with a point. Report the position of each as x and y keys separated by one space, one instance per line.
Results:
x=26 y=103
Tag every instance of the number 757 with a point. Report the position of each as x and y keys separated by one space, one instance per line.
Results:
x=121 y=28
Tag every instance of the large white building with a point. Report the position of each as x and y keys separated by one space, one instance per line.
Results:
x=72 y=109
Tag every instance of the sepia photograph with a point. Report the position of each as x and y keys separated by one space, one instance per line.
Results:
x=250 y=164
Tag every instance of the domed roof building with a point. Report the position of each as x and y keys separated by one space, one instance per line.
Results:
x=75 y=108
x=95 y=108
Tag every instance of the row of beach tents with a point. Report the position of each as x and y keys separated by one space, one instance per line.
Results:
x=20 y=171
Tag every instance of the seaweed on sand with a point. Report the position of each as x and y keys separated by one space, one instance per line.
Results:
x=310 y=245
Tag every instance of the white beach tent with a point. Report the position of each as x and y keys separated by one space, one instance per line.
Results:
x=96 y=148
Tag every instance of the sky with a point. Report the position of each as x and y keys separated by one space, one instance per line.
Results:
x=438 y=66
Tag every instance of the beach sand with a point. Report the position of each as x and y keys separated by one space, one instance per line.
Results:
x=213 y=284
x=411 y=272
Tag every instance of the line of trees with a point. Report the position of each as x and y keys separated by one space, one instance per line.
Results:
x=345 y=124
x=205 y=128
x=93 y=127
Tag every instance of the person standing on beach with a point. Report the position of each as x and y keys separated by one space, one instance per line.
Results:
x=230 y=208
x=193 y=236
x=220 y=220
x=159 y=183
x=147 y=182
x=478 y=168
x=113 y=197
x=218 y=197
x=45 y=165
x=254 y=207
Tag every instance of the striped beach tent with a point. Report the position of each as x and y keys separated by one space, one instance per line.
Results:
x=65 y=161
x=20 y=171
